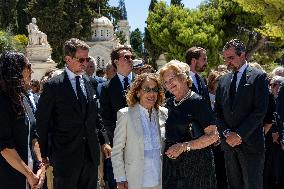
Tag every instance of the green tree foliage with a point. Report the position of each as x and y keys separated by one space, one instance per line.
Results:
x=177 y=3
x=272 y=12
x=136 y=41
x=10 y=42
x=121 y=37
x=13 y=15
x=174 y=29
x=152 y=52
x=8 y=15
x=61 y=20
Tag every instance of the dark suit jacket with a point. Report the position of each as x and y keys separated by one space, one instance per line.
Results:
x=112 y=99
x=59 y=113
x=245 y=114
x=204 y=92
x=280 y=109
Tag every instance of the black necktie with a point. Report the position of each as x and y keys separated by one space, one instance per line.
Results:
x=125 y=83
x=198 y=81
x=233 y=86
x=81 y=97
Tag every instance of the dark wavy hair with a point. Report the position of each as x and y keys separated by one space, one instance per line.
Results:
x=12 y=65
x=131 y=96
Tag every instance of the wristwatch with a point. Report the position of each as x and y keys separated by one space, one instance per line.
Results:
x=188 y=147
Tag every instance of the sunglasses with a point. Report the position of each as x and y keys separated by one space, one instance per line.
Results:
x=82 y=60
x=148 y=89
x=127 y=57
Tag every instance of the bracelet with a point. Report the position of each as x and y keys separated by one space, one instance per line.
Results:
x=226 y=132
x=188 y=148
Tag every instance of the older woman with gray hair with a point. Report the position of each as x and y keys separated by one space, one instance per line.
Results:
x=189 y=130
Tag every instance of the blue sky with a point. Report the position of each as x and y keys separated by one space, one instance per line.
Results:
x=137 y=11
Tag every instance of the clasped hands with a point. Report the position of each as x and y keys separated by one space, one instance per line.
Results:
x=233 y=139
x=36 y=180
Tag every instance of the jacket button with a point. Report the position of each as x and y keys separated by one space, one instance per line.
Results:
x=84 y=138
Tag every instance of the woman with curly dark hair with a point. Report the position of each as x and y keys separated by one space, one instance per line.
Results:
x=17 y=125
x=137 y=144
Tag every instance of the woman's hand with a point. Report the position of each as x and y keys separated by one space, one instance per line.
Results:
x=32 y=180
x=41 y=176
x=175 y=150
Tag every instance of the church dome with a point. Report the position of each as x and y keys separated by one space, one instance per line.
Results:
x=102 y=21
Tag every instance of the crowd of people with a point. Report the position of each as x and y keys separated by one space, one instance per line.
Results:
x=172 y=128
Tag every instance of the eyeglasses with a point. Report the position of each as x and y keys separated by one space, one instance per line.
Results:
x=127 y=57
x=82 y=60
x=148 y=89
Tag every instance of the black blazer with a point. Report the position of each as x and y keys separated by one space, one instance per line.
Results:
x=204 y=92
x=59 y=113
x=245 y=114
x=112 y=99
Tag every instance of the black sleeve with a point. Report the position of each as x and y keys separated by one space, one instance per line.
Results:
x=271 y=108
x=107 y=111
x=6 y=121
x=44 y=116
x=204 y=113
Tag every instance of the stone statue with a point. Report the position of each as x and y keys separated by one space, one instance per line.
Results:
x=36 y=37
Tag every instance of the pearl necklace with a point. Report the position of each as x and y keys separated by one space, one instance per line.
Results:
x=188 y=94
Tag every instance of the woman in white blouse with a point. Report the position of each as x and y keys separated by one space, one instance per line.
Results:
x=136 y=153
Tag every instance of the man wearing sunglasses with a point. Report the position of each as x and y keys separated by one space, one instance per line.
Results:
x=67 y=111
x=113 y=96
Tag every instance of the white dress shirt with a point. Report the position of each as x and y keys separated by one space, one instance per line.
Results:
x=72 y=79
x=239 y=74
x=121 y=78
x=193 y=78
x=152 y=146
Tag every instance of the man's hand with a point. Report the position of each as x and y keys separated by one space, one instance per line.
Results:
x=275 y=137
x=233 y=139
x=106 y=149
x=122 y=185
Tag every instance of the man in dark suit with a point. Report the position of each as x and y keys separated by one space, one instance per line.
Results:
x=241 y=104
x=196 y=58
x=113 y=96
x=68 y=110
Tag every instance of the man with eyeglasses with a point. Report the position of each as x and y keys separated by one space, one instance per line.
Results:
x=113 y=96
x=67 y=110
x=241 y=104
x=196 y=58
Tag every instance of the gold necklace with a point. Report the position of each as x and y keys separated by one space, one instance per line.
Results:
x=188 y=94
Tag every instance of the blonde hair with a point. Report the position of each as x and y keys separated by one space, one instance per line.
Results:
x=131 y=96
x=180 y=69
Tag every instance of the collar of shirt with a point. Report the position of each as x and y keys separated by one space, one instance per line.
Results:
x=193 y=79
x=242 y=69
x=145 y=112
x=71 y=77
x=121 y=78
x=240 y=73
x=70 y=74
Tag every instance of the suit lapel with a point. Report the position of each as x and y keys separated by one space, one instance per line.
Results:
x=135 y=112
x=69 y=93
x=90 y=93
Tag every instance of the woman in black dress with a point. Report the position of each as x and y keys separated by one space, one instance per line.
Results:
x=17 y=126
x=189 y=132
